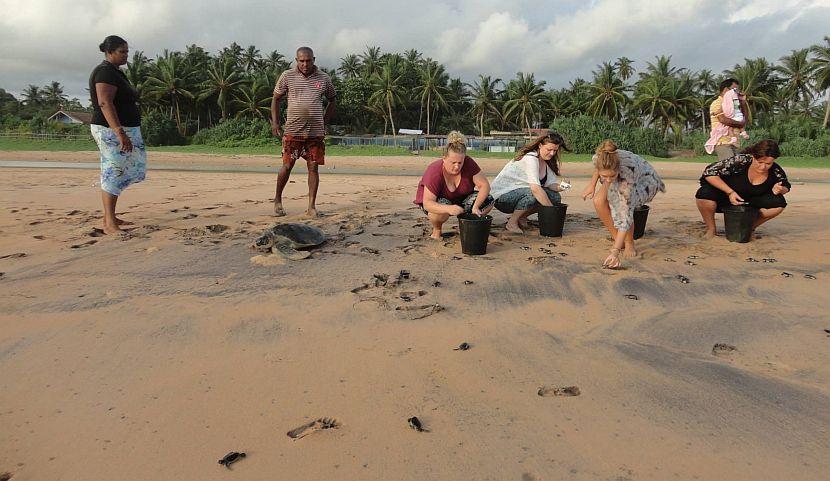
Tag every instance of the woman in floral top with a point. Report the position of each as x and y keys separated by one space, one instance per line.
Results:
x=749 y=178
x=628 y=182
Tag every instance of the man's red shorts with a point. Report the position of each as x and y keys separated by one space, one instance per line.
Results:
x=312 y=149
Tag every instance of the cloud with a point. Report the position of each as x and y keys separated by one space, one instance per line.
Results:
x=44 y=40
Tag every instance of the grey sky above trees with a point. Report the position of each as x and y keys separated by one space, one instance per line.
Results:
x=43 y=40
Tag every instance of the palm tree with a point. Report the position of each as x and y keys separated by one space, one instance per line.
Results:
x=276 y=61
x=526 y=98
x=652 y=98
x=821 y=72
x=757 y=83
x=233 y=51
x=412 y=57
x=387 y=93
x=484 y=95
x=432 y=87
x=349 y=66
x=253 y=99
x=796 y=70
x=251 y=59
x=608 y=93
x=661 y=68
x=170 y=81
x=53 y=96
x=370 y=59
x=32 y=96
x=224 y=80
x=625 y=68
x=705 y=86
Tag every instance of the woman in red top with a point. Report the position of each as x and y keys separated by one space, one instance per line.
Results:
x=453 y=185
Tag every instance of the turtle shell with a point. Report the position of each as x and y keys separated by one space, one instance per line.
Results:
x=297 y=236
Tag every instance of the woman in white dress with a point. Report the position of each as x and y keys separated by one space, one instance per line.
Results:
x=628 y=182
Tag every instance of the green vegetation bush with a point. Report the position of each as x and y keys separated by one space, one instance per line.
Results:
x=236 y=133
x=159 y=129
x=801 y=147
x=583 y=134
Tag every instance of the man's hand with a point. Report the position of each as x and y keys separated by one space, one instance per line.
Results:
x=275 y=129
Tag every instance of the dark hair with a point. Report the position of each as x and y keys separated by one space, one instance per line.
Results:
x=306 y=50
x=548 y=137
x=727 y=83
x=111 y=44
x=764 y=148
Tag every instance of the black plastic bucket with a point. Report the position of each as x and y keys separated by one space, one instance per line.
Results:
x=640 y=219
x=474 y=231
x=552 y=219
x=739 y=220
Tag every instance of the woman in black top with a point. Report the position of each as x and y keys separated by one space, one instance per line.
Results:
x=116 y=128
x=751 y=177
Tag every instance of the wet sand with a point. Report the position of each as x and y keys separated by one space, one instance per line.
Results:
x=153 y=355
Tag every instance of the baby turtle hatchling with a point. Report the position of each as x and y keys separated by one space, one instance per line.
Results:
x=462 y=347
x=231 y=458
x=683 y=279
x=633 y=297
x=786 y=274
x=810 y=276
x=415 y=424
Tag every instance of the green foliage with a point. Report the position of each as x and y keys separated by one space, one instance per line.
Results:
x=801 y=147
x=583 y=134
x=159 y=129
x=236 y=133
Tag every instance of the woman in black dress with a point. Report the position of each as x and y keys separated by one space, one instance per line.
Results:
x=749 y=178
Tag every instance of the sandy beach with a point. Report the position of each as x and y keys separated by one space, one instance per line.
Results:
x=150 y=356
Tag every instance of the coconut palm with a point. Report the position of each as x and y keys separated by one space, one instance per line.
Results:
x=661 y=68
x=607 y=93
x=757 y=83
x=526 y=99
x=484 y=95
x=224 y=79
x=387 y=92
x=432 y=88
x=625 y=68
x=253 y=99
x=251 y=59
x=53 y=96
x=796 y=70
x=276 y=62
x=370 y=60
x=821 y=72
x=170 y=81
x=349 y=66
x=652 y=98
x=32 y=96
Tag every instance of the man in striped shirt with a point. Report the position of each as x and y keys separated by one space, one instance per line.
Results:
x=304 y=86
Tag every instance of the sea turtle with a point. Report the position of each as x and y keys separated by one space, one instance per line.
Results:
x=285 y=239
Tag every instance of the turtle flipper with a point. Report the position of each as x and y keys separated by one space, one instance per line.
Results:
x=289 y=252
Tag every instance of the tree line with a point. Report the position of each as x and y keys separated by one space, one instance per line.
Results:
x=380 y=92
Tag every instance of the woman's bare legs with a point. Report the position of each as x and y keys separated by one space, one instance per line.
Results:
x=707 y=210
x=437 y=221
x=766 y=214
x=111 y=224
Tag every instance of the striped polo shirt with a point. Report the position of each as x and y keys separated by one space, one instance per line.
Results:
x=304 y=118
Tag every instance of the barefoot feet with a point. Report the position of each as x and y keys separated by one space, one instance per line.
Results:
x=312 y=213
x=514 y=228
x=278 y=210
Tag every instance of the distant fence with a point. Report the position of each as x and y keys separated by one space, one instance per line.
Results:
x=410 y=142
x=45 y=136
x=418 y=142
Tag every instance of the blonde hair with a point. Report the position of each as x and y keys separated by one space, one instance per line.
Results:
x=456 y=143
x=607 y=157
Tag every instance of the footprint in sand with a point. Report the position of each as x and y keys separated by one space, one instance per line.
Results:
x=721 y=349
x=417 y=312
x=16 y=255
x=548 y=391
x=83 y=244
x=314 y=426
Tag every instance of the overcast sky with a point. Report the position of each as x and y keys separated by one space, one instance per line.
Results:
x=43 y=40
